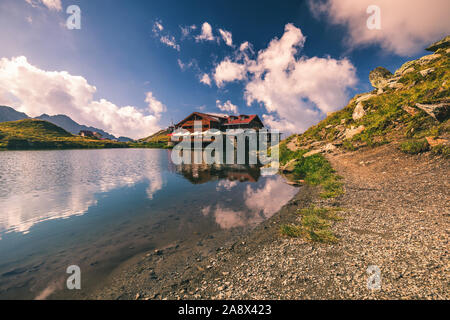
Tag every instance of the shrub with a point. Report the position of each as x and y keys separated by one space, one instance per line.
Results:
x=441 y=150
x=415 y=146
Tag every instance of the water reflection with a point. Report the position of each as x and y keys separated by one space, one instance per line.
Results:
x=46 y=185
x=97 y=208
x=261 y=202
x=202 y=173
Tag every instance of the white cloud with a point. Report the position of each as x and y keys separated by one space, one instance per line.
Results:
x=227 y=107
x=246 y=46
x=36 y=91
x=186 y=30
x=170 y=42
x=206 y=33
x=181 y=64
x=158 y=26
x=50 y=4
x=296 y=92
x=407 y=26
x=228 y=71
x=155 y=106
x=205 y=79
x=188 y=65
x=227 y=37
x=166 y=38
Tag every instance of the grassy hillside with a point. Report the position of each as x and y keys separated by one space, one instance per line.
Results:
x=408 y=110
x=156 y=140
x=391 y=113
x=37 y=134
x=160 y=136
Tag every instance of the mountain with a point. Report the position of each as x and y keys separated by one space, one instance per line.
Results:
x=9 y=114
x=63 y=121
x=124 y=139
x=160 y=136
x=73 y=127
x=37 y=134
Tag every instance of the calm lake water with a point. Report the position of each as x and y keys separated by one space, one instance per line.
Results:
x=98 y=208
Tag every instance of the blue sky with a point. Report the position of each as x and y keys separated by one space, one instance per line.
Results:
x=119 y=51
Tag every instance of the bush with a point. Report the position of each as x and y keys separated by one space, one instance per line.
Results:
x=415 y=146
x=441 y=150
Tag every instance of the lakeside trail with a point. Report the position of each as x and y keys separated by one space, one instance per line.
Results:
x=396 y=216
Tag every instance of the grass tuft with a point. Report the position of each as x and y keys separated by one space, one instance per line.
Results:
x=415 y=146
x=315 y=225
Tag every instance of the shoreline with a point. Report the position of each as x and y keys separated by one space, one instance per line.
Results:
x=378 y=226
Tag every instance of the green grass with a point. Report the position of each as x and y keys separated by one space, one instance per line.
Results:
x=415 y=146
x=441 y=150
x=149 y=145
x=315 y=170
x=33 y=134
x=291 y=230
x=315 y=225
x=158 y=137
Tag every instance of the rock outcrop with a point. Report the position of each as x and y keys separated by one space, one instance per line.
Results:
x=439 y=111
x=351 y=132
x=359 y=112
x=379 y=77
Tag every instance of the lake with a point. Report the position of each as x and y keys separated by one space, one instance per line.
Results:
x=98 y=208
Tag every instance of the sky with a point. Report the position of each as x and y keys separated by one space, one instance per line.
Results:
x=135 y=67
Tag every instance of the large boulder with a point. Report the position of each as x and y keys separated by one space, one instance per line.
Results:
x=379 y=77
x=351 y=132
x=359 y=112
x=439 y=111
x=444 y=43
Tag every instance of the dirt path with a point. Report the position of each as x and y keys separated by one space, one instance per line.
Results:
x=396 y=218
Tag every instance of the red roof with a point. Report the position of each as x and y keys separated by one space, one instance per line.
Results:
x=226 y=120
x=242 y=119
x=205 y=116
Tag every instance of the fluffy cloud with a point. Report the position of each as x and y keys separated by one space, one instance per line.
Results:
x=407 y=26
x=50 y=4
x=206 y=34
x=227 y=37
x=296 y=92
x=228 y=71
x=205 y=79
x=36 y=91
x=227 y=107
x=155 y=106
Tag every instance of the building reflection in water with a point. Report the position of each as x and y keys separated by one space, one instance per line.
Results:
x=255 y=197
x=202 y=173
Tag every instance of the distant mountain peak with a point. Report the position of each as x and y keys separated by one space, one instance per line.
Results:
x=61 y=120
